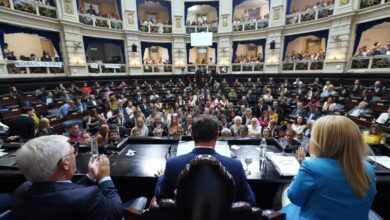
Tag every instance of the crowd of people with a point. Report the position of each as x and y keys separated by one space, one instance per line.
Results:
x=377 y=49
x=294 y=56
x=313 y=6
x=249 y=59
x=204 y=111
x=9 y=55
x=167 y=108
x=154 y=21
x=92 y=11
x=246 y=18
x=203 y=21
x=159 y=61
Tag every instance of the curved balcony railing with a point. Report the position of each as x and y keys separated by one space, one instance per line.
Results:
x=31 y=7
x=250 y=26
x=198 y=28
x=106 y=68
x=310 y=15
x=97 y=21
x=157 y=68
x=371 y=62
x=156 y=28
x=34 y=67
x=248 y=67
x=302 y=65
x=191 y=68
x=370 y=3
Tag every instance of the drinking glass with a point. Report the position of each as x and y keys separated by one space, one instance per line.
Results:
x=248 y=161
x=283 y=144
x=94 y=147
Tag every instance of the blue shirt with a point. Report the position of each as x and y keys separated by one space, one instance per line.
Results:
x=321 y=191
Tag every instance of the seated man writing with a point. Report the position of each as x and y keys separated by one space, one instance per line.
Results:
x=205 y=134
x=49 y=163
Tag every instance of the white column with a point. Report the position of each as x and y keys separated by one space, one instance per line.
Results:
x=225 y=16
x=74 y=53
x=340 y=44
x=273 y=58
x=178 y=22
x=129 y=14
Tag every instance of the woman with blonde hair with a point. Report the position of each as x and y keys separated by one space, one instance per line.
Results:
x=44 y=128
x=336 y=183
x=102 y=134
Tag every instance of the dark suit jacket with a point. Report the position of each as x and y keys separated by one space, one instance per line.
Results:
x=167 y=183
x=23 y=126
x=61 y=200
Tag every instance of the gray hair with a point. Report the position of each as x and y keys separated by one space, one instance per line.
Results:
x=226 y=132
x=237 y=118
x=38 y=158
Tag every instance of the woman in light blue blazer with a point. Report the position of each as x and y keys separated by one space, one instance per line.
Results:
x=336 y=183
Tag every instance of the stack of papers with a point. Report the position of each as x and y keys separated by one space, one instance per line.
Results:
x=382 y=160
x=221 y=147
x=285 y=165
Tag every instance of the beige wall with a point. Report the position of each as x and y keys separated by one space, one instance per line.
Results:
x=299 y=45
x=161 y=53
x=379 y=33
x=242 y=50
x=300 y=4
x=161 y=14
x=211 y=14
x=26 y=44
x=193 y=56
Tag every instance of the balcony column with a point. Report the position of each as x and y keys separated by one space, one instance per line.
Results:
x=340 y=45
x=179 y=53
x=225 y=16
x=68 y=11
x=134 y=59
x=129 y=15
x=74 y=53
x=273 y=58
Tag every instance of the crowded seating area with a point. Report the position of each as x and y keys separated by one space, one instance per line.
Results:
x=170 y=103
x=194 y=109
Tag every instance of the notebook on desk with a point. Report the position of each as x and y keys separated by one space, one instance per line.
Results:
x=8 y=163
x=221 y=147
x=383 y=164
x=285 y=165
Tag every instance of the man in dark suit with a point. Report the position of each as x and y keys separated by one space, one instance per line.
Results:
x=313 y=114
x=49 y=193
x=205 y=134
x=23 y=125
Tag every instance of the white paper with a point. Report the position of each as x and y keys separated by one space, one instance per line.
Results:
x=382 y=160
x=130 y=152
x=185 y=147
x=285 y=165
x=235 y=147
x=2 y=154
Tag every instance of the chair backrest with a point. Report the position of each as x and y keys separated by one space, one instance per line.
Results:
x=205 y=190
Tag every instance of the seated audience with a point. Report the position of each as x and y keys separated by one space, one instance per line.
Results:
x=102 y=134
x=140 y=125
x=254 y=128
x=375 y=135
x=347 y=189
x=361 y=110
x=75 y=134
x=49 y=163
x=44 y=128
x=205 y=134
x=299 y=125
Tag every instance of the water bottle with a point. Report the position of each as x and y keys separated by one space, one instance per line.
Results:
x=263 y=151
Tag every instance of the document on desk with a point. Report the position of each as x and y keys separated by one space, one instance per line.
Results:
x=185 y=147
x=285 y=165
x=382 y=160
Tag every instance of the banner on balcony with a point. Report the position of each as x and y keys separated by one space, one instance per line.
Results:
x=112 y=65
x=94 y=65
x=21 y=63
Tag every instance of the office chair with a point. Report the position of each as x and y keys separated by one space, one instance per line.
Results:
x=206 y=191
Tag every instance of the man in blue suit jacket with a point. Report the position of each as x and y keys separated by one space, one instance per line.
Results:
x=205 y=134
x=48 y=163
